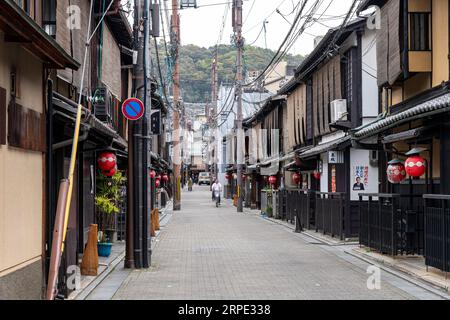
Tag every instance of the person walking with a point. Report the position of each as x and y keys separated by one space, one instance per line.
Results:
x=216 y=188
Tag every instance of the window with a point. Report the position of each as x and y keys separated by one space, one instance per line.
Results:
x=49 y=17
x=419 y=31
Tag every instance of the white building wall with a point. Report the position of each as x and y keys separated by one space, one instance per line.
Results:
x=369 y=74
x=324 y=177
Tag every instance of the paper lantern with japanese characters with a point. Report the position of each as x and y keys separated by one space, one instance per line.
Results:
x=415 y=166
x=273 y=180
x=396 y=172
x=296 y=178
x=107 y=161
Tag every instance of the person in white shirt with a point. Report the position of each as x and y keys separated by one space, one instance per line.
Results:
x=216 y=187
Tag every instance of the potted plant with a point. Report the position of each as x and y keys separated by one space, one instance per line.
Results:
x=106 y=200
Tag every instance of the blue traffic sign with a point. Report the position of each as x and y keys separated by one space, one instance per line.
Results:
x=133 y=109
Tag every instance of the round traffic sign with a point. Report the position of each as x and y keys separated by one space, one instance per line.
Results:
x=133 y=109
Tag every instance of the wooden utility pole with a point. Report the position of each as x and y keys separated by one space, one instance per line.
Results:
x=239 y=42
x=175 y=40
x=214 y=116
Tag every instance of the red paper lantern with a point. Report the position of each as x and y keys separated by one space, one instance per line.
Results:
x=157 y=183
x=296 y=178
x=396 y=172
x=415 y=166
x=110 y=173
x=107 y=161
x=158 y=176
x=152 y=174
x=316 y=175
x=165 y=178
x=273 y=180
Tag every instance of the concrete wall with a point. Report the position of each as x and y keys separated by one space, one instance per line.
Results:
x=21 y=176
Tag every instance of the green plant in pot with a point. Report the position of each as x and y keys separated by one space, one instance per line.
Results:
x=106 y=200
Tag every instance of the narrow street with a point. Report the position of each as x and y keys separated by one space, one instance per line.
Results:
x=209 y=253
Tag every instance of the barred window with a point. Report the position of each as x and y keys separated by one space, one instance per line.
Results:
x=419 y=31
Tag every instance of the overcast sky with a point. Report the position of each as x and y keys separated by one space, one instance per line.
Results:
x=201 y=26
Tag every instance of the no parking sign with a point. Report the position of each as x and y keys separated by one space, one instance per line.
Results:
x=133 y=109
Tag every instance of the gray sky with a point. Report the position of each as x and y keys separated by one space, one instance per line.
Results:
x=201 y=26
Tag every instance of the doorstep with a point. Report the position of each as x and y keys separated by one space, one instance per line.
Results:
x=107 y=265
x=413 y=266
x=330 y=240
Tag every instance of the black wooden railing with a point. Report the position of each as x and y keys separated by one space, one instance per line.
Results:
x=298 y=207
x=378 y=227
x=330 y=214
x=437 y=231
x=391 y=223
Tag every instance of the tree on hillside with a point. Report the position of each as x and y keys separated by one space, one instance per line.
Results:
x=195 y=67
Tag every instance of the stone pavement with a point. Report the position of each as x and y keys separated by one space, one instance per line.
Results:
x=210 y=253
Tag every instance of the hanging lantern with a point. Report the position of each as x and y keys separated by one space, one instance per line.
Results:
x=152 y=174
x=415 y=166
x=165 y=178
x=157 y=183
x=296 y=178
x=316 y=175
x=158 y=177
x=107 y=161
x=228 y=176
x=110 y=173
x=396 y=171
x=273 y=180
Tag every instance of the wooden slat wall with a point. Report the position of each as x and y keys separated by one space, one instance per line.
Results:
x=2 y=116
x=111 y=69
x=63 y=36
x=388 y=44
x=78 y=41
x=394 y=59
x=296 y=117
x=326 y=88
x=26 y=128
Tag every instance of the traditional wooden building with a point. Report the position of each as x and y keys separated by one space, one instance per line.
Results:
x=411 y=133
x=28 y=55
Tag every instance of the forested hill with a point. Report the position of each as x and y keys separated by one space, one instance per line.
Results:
x=196 y=67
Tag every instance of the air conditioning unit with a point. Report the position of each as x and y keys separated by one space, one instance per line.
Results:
x=338 y=110
x=103 y=103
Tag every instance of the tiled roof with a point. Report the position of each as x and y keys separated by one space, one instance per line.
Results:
x=434 y=106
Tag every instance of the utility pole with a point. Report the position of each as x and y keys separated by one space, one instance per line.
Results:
x=214 y=116
x=239 y=42
x=138 y=249
x=175 y=40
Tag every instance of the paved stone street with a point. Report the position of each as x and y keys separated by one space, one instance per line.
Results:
x=209 y=253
